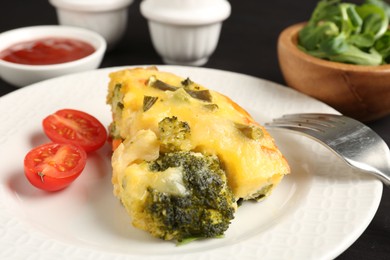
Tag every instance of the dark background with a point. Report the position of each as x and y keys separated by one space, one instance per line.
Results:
x=247 y=45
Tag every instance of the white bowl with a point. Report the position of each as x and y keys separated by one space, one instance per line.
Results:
x=106 y=17
x=21 y=75
x=185 y=32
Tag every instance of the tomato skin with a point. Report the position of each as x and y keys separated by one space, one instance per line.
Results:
x=75 y=127
x=54 y=166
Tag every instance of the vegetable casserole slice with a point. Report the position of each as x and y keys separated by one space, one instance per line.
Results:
x=183 y=154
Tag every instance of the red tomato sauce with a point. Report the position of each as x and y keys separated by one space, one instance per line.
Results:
x=47 y=51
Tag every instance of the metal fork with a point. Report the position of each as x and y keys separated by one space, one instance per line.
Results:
x=350 y=139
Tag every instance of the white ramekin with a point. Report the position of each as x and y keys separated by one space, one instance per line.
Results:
x=185 y=32
x=106 y=17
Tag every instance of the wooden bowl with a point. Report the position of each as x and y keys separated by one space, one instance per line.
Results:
x=361 y=92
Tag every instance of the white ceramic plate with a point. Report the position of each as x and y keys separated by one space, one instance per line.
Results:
x=316 y=213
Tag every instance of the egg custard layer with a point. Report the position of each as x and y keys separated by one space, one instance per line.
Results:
x=158 y=113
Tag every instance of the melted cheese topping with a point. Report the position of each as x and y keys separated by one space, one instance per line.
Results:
x=250 y=164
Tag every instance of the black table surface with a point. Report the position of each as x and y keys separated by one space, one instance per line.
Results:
x=247 y=45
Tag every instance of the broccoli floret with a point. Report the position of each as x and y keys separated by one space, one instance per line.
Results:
x=203 y=211
x=174 y=134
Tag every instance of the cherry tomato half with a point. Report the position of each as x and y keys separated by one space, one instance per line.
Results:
x=53 y=166
x=75 y=127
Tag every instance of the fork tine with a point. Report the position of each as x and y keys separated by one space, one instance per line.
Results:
x=294 y=124
x=315 y=121
x=330 y=118
x=305 y=121
x=310 y=130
